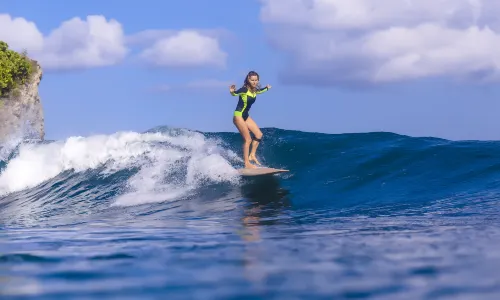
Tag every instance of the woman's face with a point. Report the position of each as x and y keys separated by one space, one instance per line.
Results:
x=254 y=80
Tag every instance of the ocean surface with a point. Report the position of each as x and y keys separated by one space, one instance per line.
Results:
x=164 y=215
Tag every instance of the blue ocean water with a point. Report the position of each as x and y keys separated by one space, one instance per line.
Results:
x=163 y=215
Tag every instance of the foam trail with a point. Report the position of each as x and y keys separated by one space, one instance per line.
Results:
x=160 y=181
x=156 y=155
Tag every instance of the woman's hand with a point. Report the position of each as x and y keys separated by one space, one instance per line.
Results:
x=268 y=86
x=232 y=88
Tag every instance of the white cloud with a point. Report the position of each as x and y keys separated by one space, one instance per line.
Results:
x=149 y=36
x=186 y=48
x=19 y=33
x=75 y=44
x=365 y=41
x=98 y=42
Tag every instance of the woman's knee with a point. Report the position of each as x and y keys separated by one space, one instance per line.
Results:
x=247 y=139
x=257 y=136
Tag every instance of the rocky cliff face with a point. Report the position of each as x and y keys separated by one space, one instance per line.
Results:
x=21 y=112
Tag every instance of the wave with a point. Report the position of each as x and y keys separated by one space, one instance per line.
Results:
x=365 y=173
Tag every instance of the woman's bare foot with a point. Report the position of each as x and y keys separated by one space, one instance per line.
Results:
x=250 y=166
x=253 y=158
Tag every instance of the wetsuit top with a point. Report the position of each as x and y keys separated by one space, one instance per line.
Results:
x=245 y=101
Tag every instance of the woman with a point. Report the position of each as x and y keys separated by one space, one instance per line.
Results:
x=247 y=96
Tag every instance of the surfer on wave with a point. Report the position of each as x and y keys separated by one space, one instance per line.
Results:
x=241 y=118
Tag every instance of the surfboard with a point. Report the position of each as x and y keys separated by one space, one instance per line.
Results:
x=260 y=171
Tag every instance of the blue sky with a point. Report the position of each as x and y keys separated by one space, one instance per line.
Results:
x=334 y=67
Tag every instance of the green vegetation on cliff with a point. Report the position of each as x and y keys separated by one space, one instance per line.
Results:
x=15 y=69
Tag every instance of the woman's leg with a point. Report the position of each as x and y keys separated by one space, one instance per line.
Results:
x=254 y=128
x=243 y=128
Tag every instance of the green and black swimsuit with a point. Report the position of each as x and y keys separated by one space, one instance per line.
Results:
x=246 y=99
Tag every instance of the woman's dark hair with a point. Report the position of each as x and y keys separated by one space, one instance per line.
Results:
x=247 y=84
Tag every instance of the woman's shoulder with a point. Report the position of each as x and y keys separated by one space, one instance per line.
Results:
x=241 y=90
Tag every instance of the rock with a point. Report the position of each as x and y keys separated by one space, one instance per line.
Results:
x=21 y=112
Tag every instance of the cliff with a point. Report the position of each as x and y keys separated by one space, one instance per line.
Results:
x=21 y=112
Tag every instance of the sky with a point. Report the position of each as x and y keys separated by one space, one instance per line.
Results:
x=419 y=68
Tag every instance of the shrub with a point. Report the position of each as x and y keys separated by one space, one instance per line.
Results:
x=15 y=69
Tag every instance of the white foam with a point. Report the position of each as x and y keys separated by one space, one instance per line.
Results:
x=157 y=155
x=211 y=167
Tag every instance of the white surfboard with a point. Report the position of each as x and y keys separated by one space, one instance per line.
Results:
x=260 y=171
